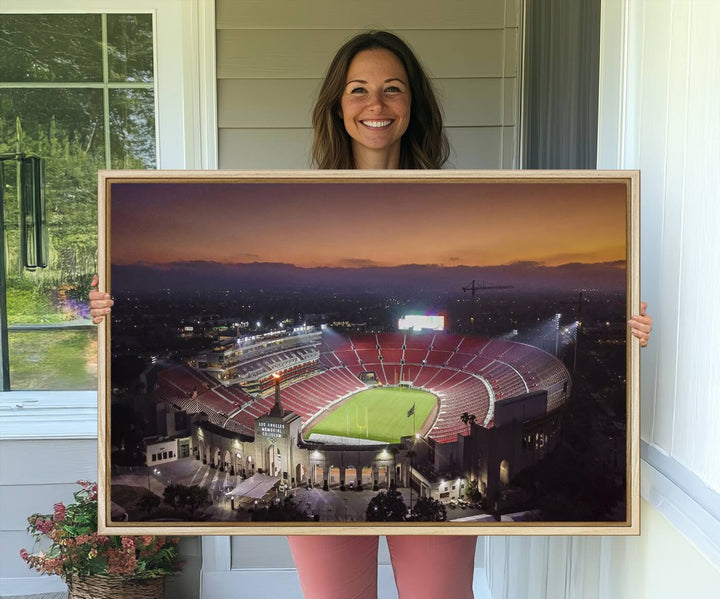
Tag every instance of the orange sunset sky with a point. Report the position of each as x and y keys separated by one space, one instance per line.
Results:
x=368 y=224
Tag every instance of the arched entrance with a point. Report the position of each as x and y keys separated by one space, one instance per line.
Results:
x=237 y=464
x=227 y=461
x=318 y=475
x=351 y=475
x=382 y=472
x=216 y=463
x=366 y=476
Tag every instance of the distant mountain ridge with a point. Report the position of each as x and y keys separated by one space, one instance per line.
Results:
x=188 y=276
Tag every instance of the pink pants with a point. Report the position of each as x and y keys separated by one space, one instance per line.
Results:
x=345 y=567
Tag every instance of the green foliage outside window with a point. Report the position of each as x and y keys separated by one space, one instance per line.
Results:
x=76 y=90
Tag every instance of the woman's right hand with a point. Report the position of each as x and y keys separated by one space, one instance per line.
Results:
x=100 y=303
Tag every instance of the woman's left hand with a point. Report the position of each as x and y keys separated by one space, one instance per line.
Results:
x=641 y=325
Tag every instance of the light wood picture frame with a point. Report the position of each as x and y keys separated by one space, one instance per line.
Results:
x=255 y=376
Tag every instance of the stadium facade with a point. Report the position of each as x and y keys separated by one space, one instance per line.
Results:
x=249 y=406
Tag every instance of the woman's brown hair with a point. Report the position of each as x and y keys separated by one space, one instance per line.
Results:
x=424 y=144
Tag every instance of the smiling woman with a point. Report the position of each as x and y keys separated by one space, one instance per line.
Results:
x=375 y=108
x=382 y=71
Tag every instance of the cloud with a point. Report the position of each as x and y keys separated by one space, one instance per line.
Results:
x=592 y=257
x=358 y=263
x=526 y=264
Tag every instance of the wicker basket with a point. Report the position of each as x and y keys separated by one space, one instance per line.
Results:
x=116 y=587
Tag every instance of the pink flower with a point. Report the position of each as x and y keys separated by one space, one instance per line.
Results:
x=128 y=543
x=24 y=555
x=121 y=562
x=59 y=512
x=43 y=526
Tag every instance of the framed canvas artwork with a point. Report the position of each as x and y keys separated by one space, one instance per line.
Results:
x=407 y=352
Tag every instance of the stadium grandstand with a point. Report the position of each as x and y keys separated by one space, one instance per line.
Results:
x=517 y=388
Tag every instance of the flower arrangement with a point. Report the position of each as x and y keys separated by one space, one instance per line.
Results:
x=77 y=551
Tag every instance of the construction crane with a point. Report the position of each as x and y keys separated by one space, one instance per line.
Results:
x=473 y=289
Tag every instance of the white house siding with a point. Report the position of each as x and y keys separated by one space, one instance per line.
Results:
x=271 y=57
x=35 y=476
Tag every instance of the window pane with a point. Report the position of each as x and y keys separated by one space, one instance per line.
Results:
x=52 y=344
x=65 y=127
x=132 y=128
x=56 y=359
x=51 y=119
x=130 y=47
x=50 y=48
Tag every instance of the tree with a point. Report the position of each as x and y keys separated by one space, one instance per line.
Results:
x=428 y=509
x=472 y=492
x=468 y=420
x=185 y=498
x=149 y=502
x=282 y=511
x=386 y=506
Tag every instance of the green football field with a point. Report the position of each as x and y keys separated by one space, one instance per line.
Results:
x=379 y=414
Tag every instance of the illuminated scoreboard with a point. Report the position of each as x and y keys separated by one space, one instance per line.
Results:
x=420 y=322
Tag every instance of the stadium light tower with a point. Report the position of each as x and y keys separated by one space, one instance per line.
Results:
x=557 y=333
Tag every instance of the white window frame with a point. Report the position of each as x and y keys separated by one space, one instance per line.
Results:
x=186 y=130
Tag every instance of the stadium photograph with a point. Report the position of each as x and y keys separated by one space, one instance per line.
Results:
x=361 y=352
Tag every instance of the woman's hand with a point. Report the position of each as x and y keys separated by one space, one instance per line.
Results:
x=641 y=325
x=100 y=302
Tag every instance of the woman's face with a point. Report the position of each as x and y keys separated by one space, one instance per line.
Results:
x=375 y=104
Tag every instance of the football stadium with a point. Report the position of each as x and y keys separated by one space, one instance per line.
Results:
x=417 y=407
